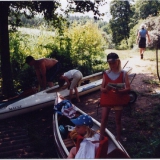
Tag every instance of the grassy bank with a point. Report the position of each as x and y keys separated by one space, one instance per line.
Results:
x=124 y=54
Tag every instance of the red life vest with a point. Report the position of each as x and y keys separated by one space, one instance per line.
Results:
x=110 y=98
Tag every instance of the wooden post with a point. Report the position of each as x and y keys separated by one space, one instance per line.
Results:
x=157 y=60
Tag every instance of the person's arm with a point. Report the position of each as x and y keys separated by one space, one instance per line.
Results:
x=67 y=80
x=127 y=88
x=148 y=37
x=38 y=74
x=103 y=87
x=42 y=68
x=138 y=36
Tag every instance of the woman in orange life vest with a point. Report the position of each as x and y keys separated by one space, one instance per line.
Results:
x=112 y=98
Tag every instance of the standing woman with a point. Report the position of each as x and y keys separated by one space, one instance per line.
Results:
x=112 y=98
x=141 y=39
x=72 y=78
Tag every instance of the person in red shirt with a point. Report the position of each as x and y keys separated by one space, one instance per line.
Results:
x=112 y=98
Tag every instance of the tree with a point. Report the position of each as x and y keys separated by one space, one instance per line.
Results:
x=119 y=24
x=30 y=9
x=144 y=9
x=153 y=24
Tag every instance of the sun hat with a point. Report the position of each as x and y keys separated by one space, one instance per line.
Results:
x=83 y=120
x=112 y=57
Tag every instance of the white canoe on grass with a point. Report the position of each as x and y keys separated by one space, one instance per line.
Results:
x=46 y=98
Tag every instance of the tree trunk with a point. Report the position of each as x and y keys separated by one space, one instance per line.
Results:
x=6 y=73
x=157 y=61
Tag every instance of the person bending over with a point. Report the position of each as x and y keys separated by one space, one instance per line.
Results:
x=72 y=77
x=46 y=70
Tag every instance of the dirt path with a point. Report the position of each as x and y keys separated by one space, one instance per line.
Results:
x=143 y=84
x=145 y=81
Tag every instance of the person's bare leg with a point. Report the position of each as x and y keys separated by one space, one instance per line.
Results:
x=77 y=94
x=70 y=94
x=118 y=114
x=143 y=49
x=141 y=53
x=104 y=120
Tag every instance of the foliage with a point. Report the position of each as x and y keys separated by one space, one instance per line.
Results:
x=120 y=11
x=150 y=81
x=135 y=20
x=120 y=32
x=133 y=36
x=30 y=9
x=123 y=45
x=108 y=35
x=152 y=24
x=146 y=134
x=144 y=9
x=35 y=22
x=87 y=43
x=77 y=48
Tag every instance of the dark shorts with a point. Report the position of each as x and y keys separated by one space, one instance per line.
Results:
x=142 y=42
x=53 y=72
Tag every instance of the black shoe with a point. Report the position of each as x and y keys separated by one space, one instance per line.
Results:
x=141 y=56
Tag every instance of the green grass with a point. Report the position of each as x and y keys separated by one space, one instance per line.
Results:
x=124 y=54
x=143 y=133
x=151 y=81
x=149 y=55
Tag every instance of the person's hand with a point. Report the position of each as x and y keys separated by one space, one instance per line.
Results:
x=64 y=87
x=115 y=90
x=61 y=97
x=108 y=88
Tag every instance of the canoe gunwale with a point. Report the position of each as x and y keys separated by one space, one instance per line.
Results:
x=62 y=149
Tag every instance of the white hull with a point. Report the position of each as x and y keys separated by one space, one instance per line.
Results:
x=46 y=98
x=43 y=99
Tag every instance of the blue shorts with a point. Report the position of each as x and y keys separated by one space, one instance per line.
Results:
x=53 y=72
